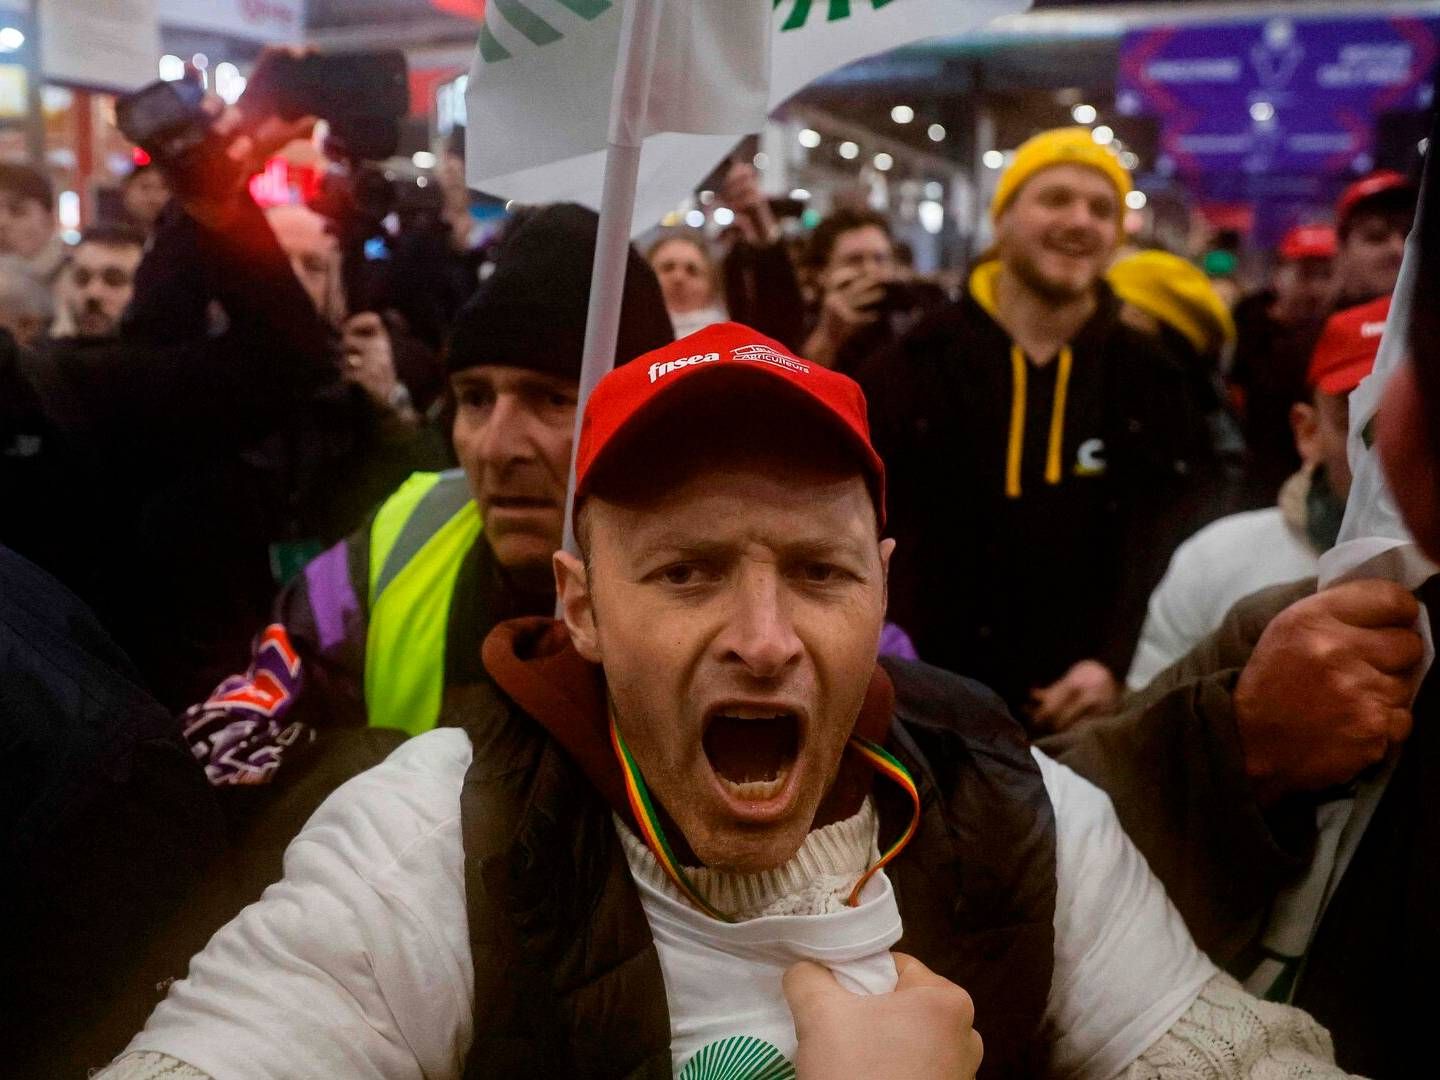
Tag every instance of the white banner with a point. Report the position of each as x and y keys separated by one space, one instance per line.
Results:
x=104 y=44
x=541 y=85
x=531 y=125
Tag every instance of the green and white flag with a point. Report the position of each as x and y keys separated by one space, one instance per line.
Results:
x=540 y=91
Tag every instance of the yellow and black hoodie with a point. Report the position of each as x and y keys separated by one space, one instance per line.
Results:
x=1032 y=503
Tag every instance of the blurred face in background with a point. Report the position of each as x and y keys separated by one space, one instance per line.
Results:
x=98 y=285
x=1060 y=230
x=26 y=225
x=146 y=194
x=25 y=304
x=867 y=249
x=1371 y=253
x=686 y=277
x=1322 y=430
x=314 y=256
x=1304 y=289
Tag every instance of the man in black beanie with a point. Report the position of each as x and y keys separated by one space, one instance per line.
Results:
x=366 y=640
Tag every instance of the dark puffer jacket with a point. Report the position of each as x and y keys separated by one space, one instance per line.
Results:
x=567 y=978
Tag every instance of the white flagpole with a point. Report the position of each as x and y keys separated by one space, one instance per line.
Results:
x=633 y=72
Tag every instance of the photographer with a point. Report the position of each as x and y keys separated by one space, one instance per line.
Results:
x=219 y=443
x=863 y=306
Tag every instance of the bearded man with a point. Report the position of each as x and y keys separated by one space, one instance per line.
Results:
x=1038 y=447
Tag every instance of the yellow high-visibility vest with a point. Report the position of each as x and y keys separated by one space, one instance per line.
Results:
x=418 y=542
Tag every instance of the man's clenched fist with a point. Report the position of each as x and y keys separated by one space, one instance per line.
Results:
x=922 y=1030
x=1329 y=687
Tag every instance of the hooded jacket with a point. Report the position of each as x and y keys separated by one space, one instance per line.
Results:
x=1031 y=504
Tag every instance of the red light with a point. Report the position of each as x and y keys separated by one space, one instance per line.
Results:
x=139 y=157
x=272 y=187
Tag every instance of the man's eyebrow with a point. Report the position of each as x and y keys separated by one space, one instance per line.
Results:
x=678 y=545
x=536 y=384
x=468 y=377
x=824 y=545
x=689 y=547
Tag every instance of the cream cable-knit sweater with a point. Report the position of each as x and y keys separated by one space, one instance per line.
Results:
x=816 y=881
x=1225 y=1035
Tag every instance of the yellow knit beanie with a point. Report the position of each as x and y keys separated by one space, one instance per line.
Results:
x=1176 y=292
x=1062 y=146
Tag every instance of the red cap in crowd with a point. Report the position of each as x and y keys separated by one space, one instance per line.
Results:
x=723 y=359
x=1348 y=347
x=1309 y=242
x=1369 y=187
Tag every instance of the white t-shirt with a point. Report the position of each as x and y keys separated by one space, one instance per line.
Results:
x=358 y=963
x=1220 y=565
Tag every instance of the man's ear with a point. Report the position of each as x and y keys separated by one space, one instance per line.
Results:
x=1306 y=425
x=887 y=549
x=572 y=587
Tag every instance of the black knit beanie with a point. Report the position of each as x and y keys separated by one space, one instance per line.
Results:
x=530 y=313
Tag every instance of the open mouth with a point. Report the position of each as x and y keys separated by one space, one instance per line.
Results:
x=752 y=751
x=519 y=502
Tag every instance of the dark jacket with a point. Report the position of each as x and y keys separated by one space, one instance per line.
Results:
x=1011 y=587
x=194 y=457
x=763 y=292
x=567 y=979
x=1173 y=765
x=106 y=823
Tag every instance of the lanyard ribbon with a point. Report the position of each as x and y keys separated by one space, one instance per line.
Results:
x=648 y=820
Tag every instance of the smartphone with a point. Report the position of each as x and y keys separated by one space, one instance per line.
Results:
x=335 y=86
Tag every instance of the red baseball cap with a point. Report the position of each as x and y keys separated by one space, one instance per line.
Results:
x=726 y=358
x=1368 y=187
x=1309 y=242
x=1347 y=349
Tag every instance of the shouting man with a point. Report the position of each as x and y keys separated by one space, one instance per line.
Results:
x=696 y=815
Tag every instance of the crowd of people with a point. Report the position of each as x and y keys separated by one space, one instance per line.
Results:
x=304 y=776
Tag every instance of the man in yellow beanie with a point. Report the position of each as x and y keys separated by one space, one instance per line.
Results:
x=1036 y=442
